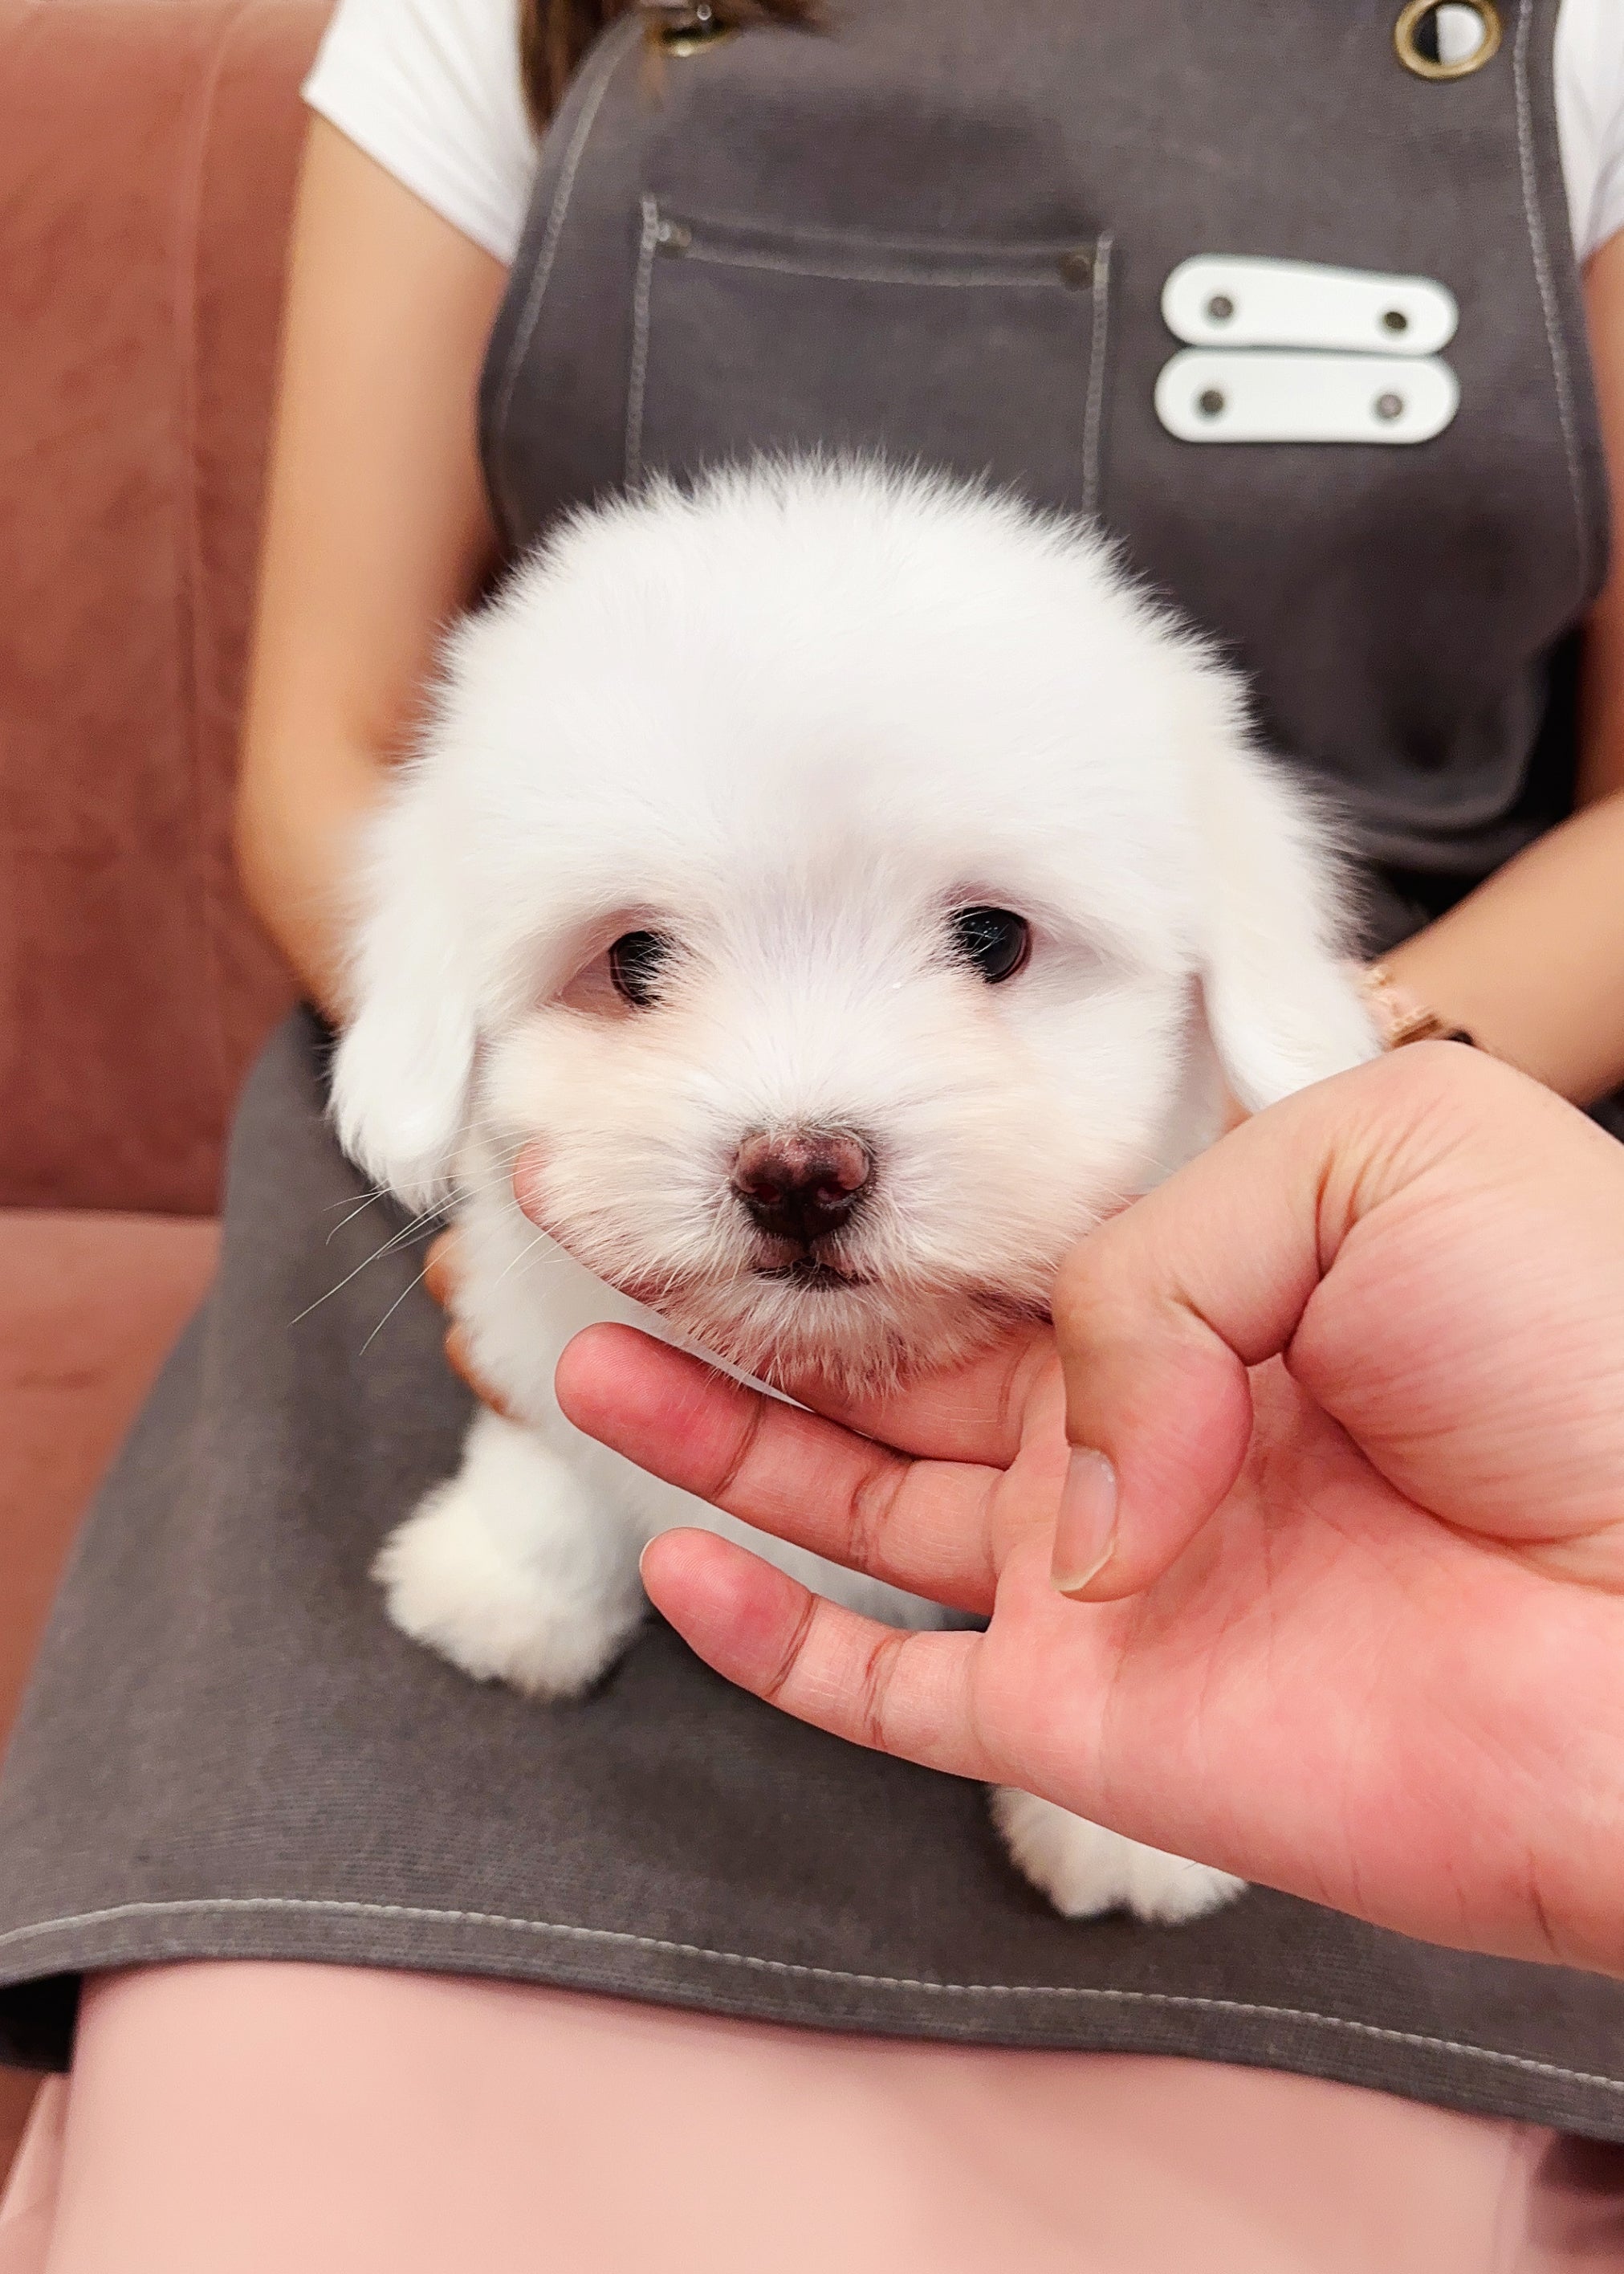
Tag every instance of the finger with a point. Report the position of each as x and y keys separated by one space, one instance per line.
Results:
x=972 y=1412
x=1160 y=1313
x=440 y=1271
x=908 y=1694
x=923 y=1525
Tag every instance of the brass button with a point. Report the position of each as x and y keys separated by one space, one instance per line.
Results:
x=1446 y=39
x=1076 y=266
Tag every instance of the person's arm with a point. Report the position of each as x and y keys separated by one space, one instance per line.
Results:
x=1532 y=963
x=376 y=532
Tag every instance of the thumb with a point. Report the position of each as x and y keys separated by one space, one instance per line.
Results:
x=1159 y=1312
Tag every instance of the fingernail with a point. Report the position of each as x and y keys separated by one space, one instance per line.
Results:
x=1086 y=1528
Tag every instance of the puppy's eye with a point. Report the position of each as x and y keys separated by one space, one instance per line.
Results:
x=636 y=961
x=995 y=942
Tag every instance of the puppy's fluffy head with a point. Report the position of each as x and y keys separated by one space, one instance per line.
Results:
x=829 y=892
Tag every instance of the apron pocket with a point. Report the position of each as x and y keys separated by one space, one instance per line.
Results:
x=986 y=360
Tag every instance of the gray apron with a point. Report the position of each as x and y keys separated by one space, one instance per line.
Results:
x=941 y=228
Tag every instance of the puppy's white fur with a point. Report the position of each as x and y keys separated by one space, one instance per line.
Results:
x=792 y=722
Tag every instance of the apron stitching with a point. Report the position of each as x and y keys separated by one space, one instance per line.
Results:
x=1035 y=248
x=900 y=274
x=1560 y=375
x=619 y=1937
x=648 y=245
x=1094 y=413
x=609 y=58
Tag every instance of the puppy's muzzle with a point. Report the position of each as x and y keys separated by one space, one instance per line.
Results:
x=801 y=1186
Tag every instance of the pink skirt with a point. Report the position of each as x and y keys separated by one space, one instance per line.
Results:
x=241 y=2117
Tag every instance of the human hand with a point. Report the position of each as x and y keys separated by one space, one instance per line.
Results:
x=1357 y=1376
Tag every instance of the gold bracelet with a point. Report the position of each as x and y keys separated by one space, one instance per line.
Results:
x=1401 y=1017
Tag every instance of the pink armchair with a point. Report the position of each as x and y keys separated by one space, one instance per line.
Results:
x=147 y=155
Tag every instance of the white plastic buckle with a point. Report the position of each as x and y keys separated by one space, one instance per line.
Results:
x=1264 y=396
x=1213 y=301
x=1288 y=351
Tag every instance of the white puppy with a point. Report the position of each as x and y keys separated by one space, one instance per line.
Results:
x=823 y=895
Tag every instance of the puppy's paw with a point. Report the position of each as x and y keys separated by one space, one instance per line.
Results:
x=1084 y=1870
x=452 y=1581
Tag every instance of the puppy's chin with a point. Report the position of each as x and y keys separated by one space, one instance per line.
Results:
x=854 y=1340
x=861 y=1327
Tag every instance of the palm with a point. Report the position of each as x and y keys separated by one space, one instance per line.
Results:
x=1330 y=1689
x=1306 y=1697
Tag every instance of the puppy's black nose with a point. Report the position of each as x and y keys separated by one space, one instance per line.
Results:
x=802 y=1186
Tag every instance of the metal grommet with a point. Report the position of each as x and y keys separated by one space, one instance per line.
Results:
x=1389 y=406
x=1418 y=38
x=1210 y=401
x=1395 y=320
x=674 y=237
x=1220 y=308
x=1076 y=266
x=687 y=30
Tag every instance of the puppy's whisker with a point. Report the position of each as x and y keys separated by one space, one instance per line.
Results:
x=373 y=1192
x=415 y=1229
x=390 y=1313
x=538 y=1240
x=360 y=1209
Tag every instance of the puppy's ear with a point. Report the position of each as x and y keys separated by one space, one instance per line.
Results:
x=402 y=1073
x=1282 y=1004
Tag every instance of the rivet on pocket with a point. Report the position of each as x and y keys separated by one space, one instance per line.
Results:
x=1076 y=266
x=674 y=237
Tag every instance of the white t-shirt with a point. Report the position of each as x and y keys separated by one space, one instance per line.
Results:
x=430 y=88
